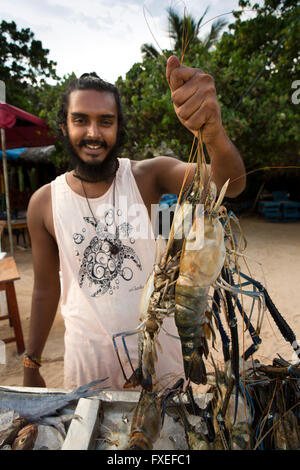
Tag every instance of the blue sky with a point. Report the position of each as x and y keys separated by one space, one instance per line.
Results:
x=104 y=36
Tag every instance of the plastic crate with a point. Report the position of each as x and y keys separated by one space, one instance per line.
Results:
x=280 y=195
x=271 y=210
x=291 y=211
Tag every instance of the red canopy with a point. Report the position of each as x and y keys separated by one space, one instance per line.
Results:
x=23 y=129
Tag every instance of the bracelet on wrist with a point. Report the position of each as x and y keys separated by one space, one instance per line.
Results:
x=32 y=362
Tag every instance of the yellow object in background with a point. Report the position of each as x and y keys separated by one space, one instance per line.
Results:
x=20 y=179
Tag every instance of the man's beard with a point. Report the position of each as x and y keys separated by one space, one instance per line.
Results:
x=92 y=171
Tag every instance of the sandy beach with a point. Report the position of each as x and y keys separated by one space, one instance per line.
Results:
x=273 y=253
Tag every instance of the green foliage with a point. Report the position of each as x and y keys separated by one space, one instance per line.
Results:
x=25 y=69
x=254 y=65
x=151 y=119
x=23 y=65
x=49 y=98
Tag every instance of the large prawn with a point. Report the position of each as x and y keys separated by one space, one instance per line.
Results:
x=184 y=270
x=201 y=261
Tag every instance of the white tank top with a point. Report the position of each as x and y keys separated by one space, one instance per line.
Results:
x=101 y=289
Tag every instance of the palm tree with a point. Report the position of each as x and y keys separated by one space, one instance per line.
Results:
x=185 y=31
x=148 y=50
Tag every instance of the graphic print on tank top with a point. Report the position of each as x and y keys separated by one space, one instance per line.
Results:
x=107 y=260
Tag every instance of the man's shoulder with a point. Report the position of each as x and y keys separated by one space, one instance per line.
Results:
x=39 y=213
x=156 y=163
x=43 y=194
x=40 y=203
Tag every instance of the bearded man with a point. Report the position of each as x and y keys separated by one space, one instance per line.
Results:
x=93 y=224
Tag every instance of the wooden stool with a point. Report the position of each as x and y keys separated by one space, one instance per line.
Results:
x=8 y=274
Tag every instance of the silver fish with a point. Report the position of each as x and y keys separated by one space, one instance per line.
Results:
x=36 y=406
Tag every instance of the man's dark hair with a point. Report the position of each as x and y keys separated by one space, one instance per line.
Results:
x=91 y=81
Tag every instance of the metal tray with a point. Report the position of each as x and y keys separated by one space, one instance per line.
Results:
x=116 y=414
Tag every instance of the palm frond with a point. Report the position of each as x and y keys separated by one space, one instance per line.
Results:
x=201 y=19
x=148 y=50
x=214 y=33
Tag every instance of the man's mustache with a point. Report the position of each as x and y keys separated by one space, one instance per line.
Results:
x=100 y=143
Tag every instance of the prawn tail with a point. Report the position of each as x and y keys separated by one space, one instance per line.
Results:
x=197 y=370
x=193 y=330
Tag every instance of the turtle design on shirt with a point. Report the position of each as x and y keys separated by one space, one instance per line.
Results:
x=104 y=257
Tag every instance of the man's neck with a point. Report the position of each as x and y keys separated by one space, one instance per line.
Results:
x=82 y=178
x=93 y=189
